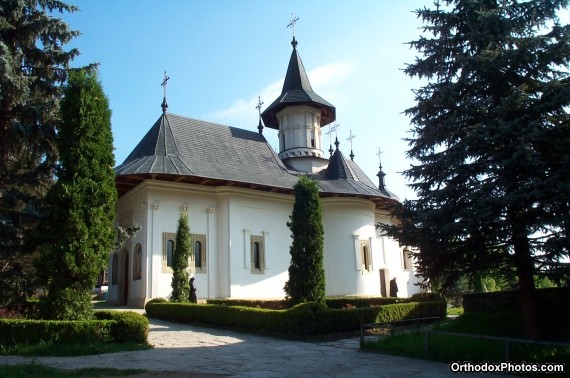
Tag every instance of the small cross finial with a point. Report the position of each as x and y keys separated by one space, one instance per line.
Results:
x=332 y=127
x=292 y=26
x=163 y=84
x=379 y=154
x=259 y=103
x=351 y=136
x=258 y=107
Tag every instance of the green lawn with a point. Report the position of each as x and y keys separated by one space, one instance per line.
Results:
x=449 y=348
x=62 y=350
x=36 y=370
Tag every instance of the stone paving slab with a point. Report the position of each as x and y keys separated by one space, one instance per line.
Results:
x=186 y=349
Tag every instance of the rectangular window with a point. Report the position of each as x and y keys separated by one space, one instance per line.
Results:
x=198 y=261
x=168 y=247
x=257 y=251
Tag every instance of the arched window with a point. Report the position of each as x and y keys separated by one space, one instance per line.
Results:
x=137 y=263
x=365 y=255
x=115 y=269
x=169 y=252
x=407 y=258
x=198 y=254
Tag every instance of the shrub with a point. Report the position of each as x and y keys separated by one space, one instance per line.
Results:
x=20 y=331
x=303 y=319
x=411 y=311
x=127 y=326
x=109 y=326
x=308 y=319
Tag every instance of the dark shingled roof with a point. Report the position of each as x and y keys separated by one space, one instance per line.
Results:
x=188 y=150
x=297 y=91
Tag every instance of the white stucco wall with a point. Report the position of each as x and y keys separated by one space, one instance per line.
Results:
x=228 y=217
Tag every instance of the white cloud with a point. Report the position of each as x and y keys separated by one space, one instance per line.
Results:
x=325 y=80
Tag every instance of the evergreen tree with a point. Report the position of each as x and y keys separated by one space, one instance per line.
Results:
x=306 y=272
x=78 y=234
x=182 y=252
x=33 y=66
x=490 y=140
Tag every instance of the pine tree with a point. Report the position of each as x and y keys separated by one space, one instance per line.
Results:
x=490 y=143
x=306 y=271
x=33 y=66
x=78 y=234
x=182 y=252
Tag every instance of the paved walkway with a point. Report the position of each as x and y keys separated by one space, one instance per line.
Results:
x=189 y=349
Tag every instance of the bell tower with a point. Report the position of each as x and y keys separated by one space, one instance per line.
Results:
x=299 y=115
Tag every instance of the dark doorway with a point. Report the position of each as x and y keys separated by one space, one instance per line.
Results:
x=383 y=283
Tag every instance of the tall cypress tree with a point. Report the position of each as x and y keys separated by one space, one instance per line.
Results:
x=490 y=140
x=78 y=233
x=33 y=66
x=306 y=271
x=182 y=252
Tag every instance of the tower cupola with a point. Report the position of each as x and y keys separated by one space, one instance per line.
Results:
x=299 y=115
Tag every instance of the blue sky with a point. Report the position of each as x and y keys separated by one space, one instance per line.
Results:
x=221 y=55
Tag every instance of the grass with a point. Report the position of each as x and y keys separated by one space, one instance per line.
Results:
x=37 y=370
x=449 y=348
x=65 y=350
x=455 y=311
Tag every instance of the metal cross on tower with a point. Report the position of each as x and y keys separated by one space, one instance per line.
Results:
x=164 y=83
x=164 y=103
x=332 y=128
x=259 y=103
x=292 y=23
x=379 y=154
x=351 y=136
x=258 y=107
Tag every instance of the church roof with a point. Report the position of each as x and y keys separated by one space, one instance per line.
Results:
x=297 y=90
x=187 y=150
x=183 y=146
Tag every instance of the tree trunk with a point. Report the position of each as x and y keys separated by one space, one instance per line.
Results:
x=527 y=291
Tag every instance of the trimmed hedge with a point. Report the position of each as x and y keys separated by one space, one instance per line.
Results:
x=110 y=326
x=331 y=302
x=128 y=326
x=412 y=310
x=303 y=319
x=29 y=332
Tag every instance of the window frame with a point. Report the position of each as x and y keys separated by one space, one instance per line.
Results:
x=366 y=255
x=203 y=268
x=257 y=240
x=166 y=237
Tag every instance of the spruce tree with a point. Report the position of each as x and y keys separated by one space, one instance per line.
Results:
x=33 y=66
x=78 y=234
x=182 y=253
x=306 y=271
x=490 y=142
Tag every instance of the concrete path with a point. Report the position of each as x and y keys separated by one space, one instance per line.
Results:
x=186 y=350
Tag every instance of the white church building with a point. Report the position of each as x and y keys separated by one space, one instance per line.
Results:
x=238 y=194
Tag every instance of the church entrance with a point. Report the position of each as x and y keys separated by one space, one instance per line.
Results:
x=383 y=280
